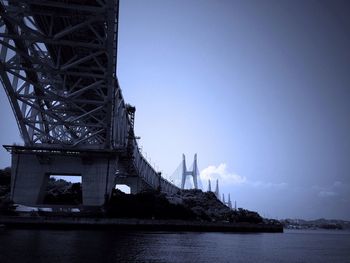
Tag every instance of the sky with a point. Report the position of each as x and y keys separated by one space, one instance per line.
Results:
x=260 y=90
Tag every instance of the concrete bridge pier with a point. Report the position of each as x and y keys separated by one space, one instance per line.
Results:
x=31 y=170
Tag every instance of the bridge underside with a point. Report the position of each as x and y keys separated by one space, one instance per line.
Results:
x=58 y=68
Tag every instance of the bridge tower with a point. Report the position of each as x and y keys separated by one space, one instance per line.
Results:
x=229 y=203
x=186 y=173
x=217 y=193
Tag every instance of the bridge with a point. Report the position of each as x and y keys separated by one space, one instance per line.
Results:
x=58 y=62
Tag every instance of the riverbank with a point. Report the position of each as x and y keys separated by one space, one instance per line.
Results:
x=70 y=223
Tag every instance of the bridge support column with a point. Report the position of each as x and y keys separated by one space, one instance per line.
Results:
x=32 y=169
x=27 y=180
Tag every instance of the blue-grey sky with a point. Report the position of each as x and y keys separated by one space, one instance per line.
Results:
x=260 y=90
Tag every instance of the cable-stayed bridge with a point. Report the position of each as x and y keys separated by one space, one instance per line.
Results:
x=190 y=179
x=187 y=178
x=58 y=63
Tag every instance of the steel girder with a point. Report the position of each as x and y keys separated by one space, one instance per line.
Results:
x=58 y=68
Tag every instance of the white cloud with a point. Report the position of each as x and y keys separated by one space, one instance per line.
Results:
x=225 y=177
x=220 y=172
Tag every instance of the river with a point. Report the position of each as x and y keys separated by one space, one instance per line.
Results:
x=21 y=245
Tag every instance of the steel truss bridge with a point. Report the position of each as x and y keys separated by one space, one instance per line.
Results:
x=58 y=67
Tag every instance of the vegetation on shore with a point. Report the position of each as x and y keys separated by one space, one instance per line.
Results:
x=63 y=192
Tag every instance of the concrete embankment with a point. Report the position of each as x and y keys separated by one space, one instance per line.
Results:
x=134 y=224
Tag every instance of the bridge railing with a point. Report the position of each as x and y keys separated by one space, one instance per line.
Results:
x=121 y=139
x=150 y=175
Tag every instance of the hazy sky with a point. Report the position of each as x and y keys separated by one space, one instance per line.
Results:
x=260 y=90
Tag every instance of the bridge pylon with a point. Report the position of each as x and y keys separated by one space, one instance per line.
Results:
x=217 y=193
x=193 y=173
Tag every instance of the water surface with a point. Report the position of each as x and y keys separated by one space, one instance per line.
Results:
x=19 y=245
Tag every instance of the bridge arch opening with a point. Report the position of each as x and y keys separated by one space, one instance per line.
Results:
x=63 y=189
x=123 y=188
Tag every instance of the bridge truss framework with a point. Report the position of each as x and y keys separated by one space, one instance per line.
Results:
x=58 y=68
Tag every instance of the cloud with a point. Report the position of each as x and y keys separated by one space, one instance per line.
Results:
x=220 y=172
x=225 y=177
x=333 y=190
